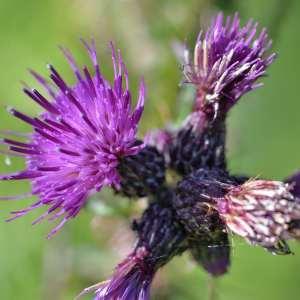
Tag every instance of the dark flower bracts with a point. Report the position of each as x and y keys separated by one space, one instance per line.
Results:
x=86 y=139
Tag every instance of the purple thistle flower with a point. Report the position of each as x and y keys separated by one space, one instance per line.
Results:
x=160 y=238
x=228 y=59
x=79 y=139
x=131 y=280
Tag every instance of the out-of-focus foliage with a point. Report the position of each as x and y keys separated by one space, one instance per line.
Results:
x=264 y=132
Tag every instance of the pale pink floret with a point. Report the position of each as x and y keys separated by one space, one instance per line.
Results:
x=260 y=211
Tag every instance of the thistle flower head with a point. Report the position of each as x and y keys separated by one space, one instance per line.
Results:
x=228 y=59
x=159 y=238
x=131 y=280
x=260 y=211
x=80 y=137
x=263 y=212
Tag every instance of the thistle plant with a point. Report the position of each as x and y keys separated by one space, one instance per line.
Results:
x=86 y=139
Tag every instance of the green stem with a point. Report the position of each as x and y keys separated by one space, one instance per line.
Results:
x=212 y=288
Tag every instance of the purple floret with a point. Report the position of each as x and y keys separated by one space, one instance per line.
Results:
x=228 y=59
x=131 y=280
x=78 y=141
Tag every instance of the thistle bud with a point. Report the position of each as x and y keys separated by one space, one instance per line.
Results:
x=261 y=211
x=207 y=234
x=159 y=238
x=193 y=148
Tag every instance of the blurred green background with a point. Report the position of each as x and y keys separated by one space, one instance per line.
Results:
x=263 y=139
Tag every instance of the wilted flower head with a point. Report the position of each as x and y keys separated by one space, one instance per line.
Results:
x=228 y=59
x=79 y=139
x=260 y=211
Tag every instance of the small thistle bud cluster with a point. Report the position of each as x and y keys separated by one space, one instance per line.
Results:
x=86 y=139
